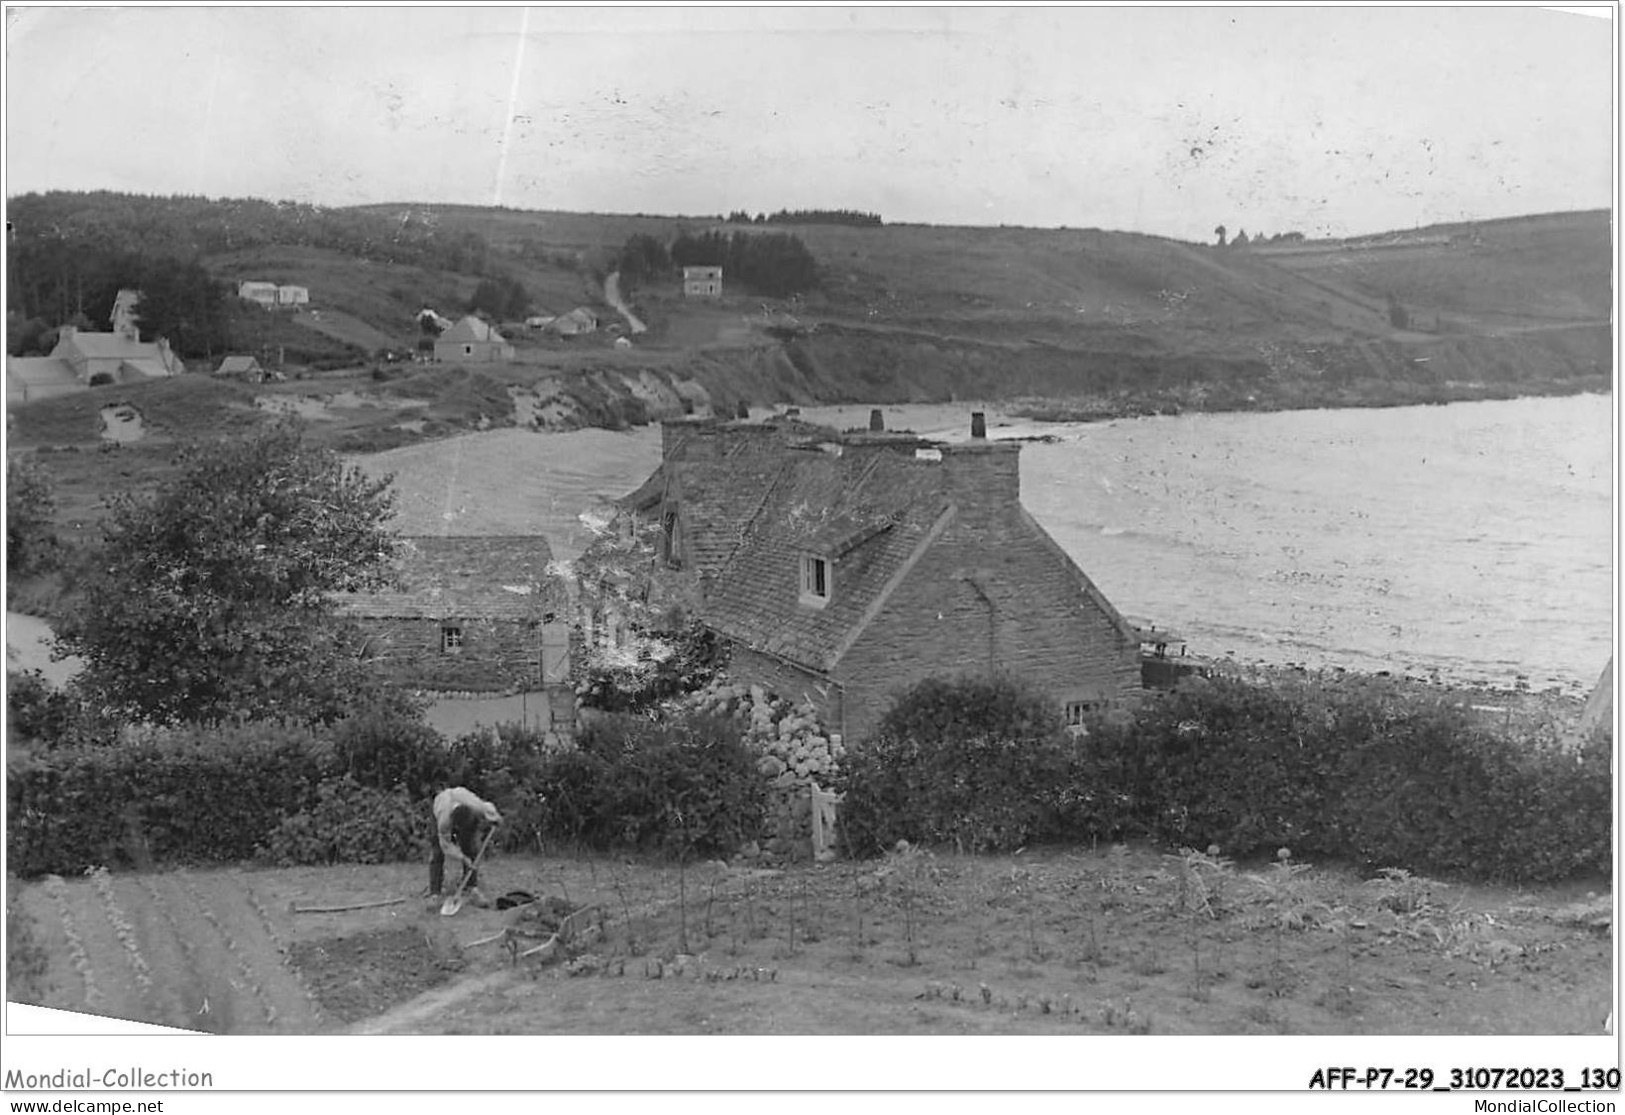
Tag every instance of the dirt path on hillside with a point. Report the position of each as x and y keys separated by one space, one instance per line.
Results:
x=612 y=295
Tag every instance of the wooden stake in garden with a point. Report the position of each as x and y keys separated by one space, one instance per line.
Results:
x=682 y=900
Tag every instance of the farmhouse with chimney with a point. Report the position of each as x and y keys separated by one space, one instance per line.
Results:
x=844 y=567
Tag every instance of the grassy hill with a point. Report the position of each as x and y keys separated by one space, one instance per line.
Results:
x=1078 y=322
x=1064 y=324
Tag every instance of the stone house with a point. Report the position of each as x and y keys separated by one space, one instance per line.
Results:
x=273 y=296
x=472 y=341
x=468 y=614
x=260 y=293
x=242 y=367
x=702 y=282
x=843 y=568
x=98 y=358
x=577 y=323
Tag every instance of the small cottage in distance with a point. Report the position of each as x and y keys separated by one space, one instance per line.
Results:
x=472 y=341
x=471 y=614
x=702 y=282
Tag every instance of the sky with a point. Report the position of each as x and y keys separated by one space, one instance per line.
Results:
x=1319 y=119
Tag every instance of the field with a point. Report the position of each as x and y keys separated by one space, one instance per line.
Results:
x=1112 y=941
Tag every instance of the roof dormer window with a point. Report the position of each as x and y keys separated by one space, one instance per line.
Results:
x=815 y=580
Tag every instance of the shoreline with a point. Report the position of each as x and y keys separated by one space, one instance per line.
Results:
x=1085 y=409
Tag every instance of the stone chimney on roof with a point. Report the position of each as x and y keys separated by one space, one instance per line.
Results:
x=982 y=478
x=877 y=421
x=680 y=438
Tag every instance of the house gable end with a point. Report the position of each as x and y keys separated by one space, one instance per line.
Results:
x=1093 y=594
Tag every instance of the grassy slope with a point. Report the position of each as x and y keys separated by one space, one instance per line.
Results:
x=1552 y=267
x=1113 y=322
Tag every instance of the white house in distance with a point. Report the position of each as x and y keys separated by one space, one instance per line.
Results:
x=82 y=359
x=98 y=358
x=273 y=296
x=472 y=341
x=702 y=282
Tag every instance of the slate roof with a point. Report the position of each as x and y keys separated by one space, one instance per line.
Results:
x=647 y=495
x=237 y=365
x=501 y=578
x=718 y=500
x=471 y=330
x=47 y=374
x=151 y=367
x=105 y=346
x=867 y=512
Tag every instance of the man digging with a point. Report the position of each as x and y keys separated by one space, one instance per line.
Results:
x=459 y=815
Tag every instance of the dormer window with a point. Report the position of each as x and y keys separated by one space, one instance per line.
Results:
x=815 y=580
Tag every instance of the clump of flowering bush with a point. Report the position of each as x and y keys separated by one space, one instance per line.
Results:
x=793 y=752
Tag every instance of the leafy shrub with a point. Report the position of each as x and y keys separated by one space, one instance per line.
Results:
x=686 y=785
x=40 y=713
x=507 y=765
x=972 y=762
x=350 y=823
x=1356 y=768
x=670 y=660
x=387 y=746
x=793 y=753
x=178 y=796
x=31 y=544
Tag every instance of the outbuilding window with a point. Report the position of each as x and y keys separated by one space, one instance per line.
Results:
x=815 y=580
x=451 y=639
x=1078 y=711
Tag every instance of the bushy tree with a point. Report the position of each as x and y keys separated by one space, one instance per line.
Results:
x=500 y=297
x=182 y=303
x=981 y=763
x=640 y=258
x=30 y=504
x=211 y=598
x=775 y=264
x=1398 y=316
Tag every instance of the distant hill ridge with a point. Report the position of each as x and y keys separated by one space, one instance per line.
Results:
x=917 y=312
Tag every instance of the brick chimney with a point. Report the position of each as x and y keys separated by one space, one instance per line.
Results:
x=680 y=438
x=877 y=421
x=982 y=478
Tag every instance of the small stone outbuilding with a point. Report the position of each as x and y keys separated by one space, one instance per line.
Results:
x=467 y=614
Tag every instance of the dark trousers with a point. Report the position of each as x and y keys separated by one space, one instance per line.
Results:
x=465 y=829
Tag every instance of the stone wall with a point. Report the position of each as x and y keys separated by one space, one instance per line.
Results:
x=497 y=656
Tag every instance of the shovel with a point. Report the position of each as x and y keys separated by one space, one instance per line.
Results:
x=451 y=905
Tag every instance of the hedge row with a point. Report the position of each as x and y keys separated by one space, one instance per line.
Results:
x=1362 y=769
x=360 y=793
x=1351 y=769
x=1354 y=769
x=180 y=797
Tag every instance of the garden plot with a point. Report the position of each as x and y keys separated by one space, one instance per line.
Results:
x=1127 y=941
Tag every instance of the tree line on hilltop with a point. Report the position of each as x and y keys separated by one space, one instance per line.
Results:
x=807 y=217
x=71 y=252
x=775 y=264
